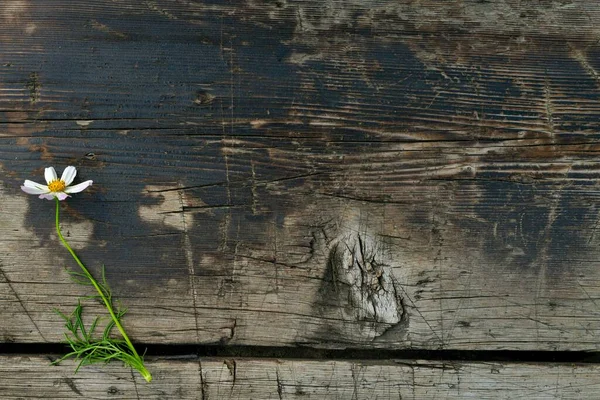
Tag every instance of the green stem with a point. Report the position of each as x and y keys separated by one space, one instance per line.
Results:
x=145 y=373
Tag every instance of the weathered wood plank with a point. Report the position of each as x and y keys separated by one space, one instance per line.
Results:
x=313 y=173
x=28 y=377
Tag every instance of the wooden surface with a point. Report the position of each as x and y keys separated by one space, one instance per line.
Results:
x=276 y=379
x=369 y=175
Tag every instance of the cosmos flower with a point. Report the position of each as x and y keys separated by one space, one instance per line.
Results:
x=58 y=188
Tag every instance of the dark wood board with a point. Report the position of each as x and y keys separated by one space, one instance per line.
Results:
x=357 y=174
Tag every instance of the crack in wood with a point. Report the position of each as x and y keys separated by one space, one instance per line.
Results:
x=232 y=367
x=203 y=382
x=279 y=384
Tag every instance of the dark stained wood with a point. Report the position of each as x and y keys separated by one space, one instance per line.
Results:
x=308 y=173
x=285 y=379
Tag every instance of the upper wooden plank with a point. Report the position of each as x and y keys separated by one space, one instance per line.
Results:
x=363 y=174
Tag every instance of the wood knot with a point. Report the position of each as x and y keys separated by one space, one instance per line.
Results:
x=363 y=282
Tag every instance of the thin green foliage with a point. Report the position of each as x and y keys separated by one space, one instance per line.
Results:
x=86 y=347
x=89 y=349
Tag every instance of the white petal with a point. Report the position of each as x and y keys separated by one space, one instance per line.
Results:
x=61 y=196
x=68 y=175
x=35 y=190
x=78 y=188
x=35 y=185
x=50 y=174
x=49 y=196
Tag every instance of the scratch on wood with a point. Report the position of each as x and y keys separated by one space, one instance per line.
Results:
x=153 y=6
x=455 y=322
x=71 y=384
x=274 y=262
x=106 y=29
x=435 y=333
x=353 y=368
x=253 y=189
x=593 y=230
x=137 y=393
x=189 y=258
x=542 y=256
x=227 y=221
x=549 y=107
x=588 y=295
x=231 y=76
x=9 y=283
x=582 y=59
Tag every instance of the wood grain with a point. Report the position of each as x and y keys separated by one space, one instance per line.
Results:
x=28 y=377
x=308 y=173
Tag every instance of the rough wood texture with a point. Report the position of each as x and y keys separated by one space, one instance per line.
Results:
x=206 y=379
x=363 y=174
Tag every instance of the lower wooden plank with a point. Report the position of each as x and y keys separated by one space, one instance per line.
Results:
x=24 y=377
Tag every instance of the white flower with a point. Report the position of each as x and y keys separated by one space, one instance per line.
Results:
x=58 y=188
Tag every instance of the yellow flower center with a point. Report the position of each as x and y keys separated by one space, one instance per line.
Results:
x=57 y=185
